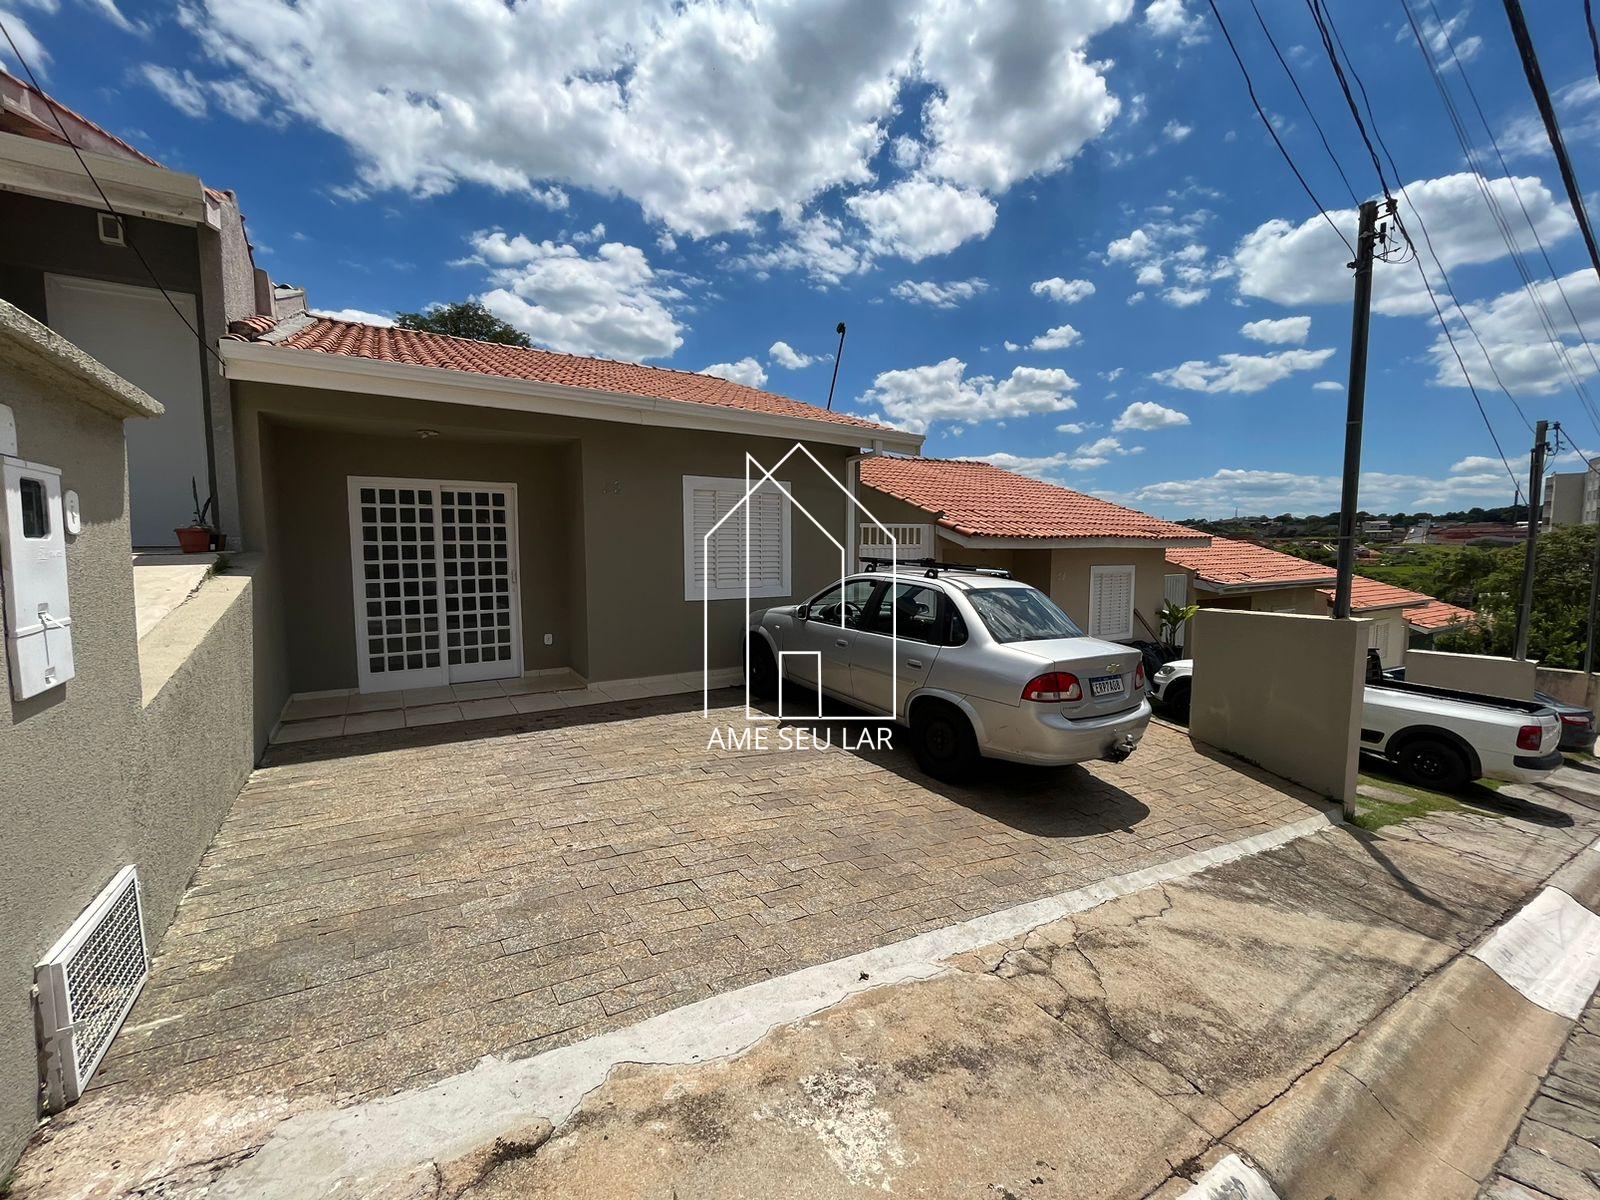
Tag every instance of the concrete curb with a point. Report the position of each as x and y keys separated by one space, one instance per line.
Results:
x=1423 y=1101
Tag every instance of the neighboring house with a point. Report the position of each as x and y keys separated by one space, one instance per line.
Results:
x=1234 y=574
x=1427 y=621
x=98 y=279
x=1571 y=498
x=1385 y=606
x=1102 y=563
x=438 y=510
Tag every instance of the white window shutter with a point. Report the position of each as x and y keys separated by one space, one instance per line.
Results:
x=715 y=567
x=1111 y=602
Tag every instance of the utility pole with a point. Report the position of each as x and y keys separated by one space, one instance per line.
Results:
x=1535 y=505
x=1355 y=411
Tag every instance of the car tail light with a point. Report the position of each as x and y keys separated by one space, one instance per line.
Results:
x=1530 y=737
x=1138 y=677
x=1053 y=687
x=1575 y=719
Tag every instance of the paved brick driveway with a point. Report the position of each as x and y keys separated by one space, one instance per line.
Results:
x=381 y=911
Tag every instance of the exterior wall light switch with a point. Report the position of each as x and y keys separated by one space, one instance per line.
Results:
x=549 y=639
x=71 y=513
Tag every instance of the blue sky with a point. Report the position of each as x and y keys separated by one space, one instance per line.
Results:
x=1058 y=232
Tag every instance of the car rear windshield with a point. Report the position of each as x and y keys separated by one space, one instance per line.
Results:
x=1021 y=615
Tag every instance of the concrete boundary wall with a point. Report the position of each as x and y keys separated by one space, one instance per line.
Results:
x=1571 y=687
x=1282 y=691
x=1482 y=673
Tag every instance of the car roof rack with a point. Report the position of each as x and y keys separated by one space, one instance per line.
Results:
x=933 y=568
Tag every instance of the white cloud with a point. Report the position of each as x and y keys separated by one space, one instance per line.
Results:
x=1169 y=18
x=708 y=116
x=815 y=245
x=1067 y=291
x=1281 y=331
x=1512 y=330
x=788 y=357
x=1135 y=297
x=182 y=91
x=917 y=397
x=1327 y=385
x=609 y=303
x=1074 y=427
x=1240 y=372
x=1305 y=263
x=1523 y=136
x=1271 y=492
x=359 y=315
x=1176 y=131
x=1150 y=275
x=1180 y=297
x=940 y=295
x=1443 y=40
x=28 y=45
x=1126 y=249
x=1062 y=337
x=746 y=371
x=918 y=218
x=1146 y=415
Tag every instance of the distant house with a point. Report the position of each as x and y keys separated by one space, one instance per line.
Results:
x=1385 y=606
x=1104 y=564
x=1427 y=621
x=1234 y=574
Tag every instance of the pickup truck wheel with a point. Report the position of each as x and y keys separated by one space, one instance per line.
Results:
x=763 y=670
x=942 y=741
x=1429 y=763
x=1175 y=700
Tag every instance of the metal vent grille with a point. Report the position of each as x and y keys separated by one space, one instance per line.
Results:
x=87 y=984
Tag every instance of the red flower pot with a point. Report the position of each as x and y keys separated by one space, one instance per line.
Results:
x=194 y=540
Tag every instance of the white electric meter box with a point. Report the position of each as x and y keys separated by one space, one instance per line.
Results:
x=33 y=558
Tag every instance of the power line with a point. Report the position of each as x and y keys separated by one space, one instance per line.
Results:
x=1304 y=103
x=1594 y=38
x=1497 y=214
x=1333 y=46
x=1277 y=141
x=127 y=234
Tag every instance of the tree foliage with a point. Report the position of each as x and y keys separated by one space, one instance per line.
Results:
x=1560 y=615
x=467 y=319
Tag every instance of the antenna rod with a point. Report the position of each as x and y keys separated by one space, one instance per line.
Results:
x=836 y=358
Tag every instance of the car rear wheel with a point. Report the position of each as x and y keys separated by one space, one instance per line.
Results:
x=763 y=670
x=942 y=741
x=1434 y=764
x=1176 y=699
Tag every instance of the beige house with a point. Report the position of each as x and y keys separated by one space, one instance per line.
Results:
x=1105 y=565
x=441 y=513
x=1233 y=574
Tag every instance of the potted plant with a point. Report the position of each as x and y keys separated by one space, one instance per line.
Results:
x=200 y=535
x=1173 y=617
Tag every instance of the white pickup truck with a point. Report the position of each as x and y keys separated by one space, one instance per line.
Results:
x=1437 y=738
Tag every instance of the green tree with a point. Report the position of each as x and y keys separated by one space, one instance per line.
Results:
x=1556 y=627
x=468 y=319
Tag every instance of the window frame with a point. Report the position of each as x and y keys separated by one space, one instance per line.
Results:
x=1096 y=574
x=693 y=589
x=941 y=603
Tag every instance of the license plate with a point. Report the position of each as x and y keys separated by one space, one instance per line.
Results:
x=1106 y=685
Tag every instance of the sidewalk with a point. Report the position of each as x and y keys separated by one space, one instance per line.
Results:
x=1112 y=1053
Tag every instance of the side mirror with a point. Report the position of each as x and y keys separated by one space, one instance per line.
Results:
x=803 y=613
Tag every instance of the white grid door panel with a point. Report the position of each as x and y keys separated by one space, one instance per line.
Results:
x=395 y=560
x=478 y=552
x=435 y=582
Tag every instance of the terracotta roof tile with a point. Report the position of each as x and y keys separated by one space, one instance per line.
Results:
x=416 y=348
x=977 y=499
x=1369 y=593
x=1437 y=615
x=251 y=328
x=1230 y=563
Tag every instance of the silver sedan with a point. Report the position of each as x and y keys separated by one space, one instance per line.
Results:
x=973 y=662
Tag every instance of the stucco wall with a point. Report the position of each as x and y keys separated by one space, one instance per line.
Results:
x=1571 y=687
x=601 y=521
x=1282 y=691
x=1484 y=673
x=1069 y=583
x=92 y=779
